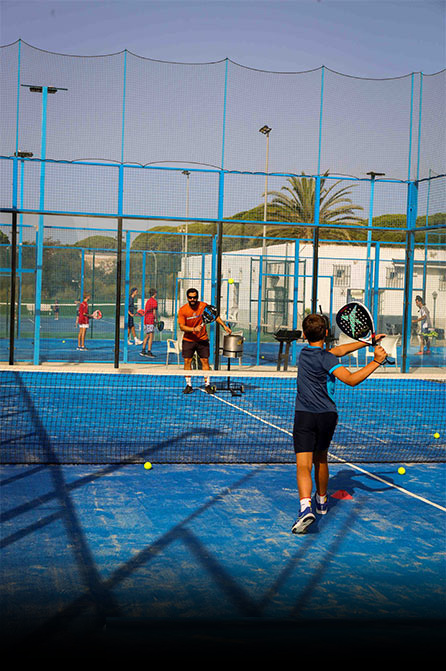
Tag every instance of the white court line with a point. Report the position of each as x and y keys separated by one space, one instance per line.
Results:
x=347 y=463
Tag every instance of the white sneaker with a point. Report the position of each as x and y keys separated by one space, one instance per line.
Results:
x=138 y=342
x=129 y=342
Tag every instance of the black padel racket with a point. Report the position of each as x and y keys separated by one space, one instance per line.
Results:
x=356 y=321
x=210 y=314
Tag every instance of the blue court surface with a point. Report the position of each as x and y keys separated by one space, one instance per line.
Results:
x=198 y=558
x=121 y=560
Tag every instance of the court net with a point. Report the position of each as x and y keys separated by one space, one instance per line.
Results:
x=122 y=417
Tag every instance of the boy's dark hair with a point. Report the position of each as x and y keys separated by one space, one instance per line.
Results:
x=315 y=327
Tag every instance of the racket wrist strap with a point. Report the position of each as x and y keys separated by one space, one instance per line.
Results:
x=379 y=364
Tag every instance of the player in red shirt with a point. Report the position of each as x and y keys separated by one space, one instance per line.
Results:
x=83 y=322
x=149 y=323
x=195 y=339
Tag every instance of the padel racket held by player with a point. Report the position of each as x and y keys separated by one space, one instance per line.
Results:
x=210 y=314
x=97 y=314
x=160 y=326
x=140 y=312
x=356 y=321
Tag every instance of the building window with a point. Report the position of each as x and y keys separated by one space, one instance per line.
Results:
x=394 y=278
x=341 y=275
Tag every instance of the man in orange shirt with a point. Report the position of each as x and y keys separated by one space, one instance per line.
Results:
x=195 y=339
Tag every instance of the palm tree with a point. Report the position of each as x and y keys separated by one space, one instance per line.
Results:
x=295 y=203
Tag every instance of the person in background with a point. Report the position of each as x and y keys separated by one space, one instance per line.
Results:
x=83 y=319
x=426 y=326
x=149 y=323
x=195 y=339
x=131 y=318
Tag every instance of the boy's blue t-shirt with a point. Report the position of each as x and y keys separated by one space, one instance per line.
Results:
x=315 y=380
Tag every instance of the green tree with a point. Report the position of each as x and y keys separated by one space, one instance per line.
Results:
x=295 y=202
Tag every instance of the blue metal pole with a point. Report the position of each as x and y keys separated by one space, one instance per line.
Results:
x=20 y=252
x=316 y=217
x=321 y=109
x=203 y=270
x=126 y=289
x=225 y=96
x=213 y=293
x=123 y=106
x=419 y=125
x=40 y=232
x=295 y=296
x=369 y=245
x=410 y=128
x=426 y=235
x=143 y=290
x=19 y=57
x=82 y=282
x=259 y=309
x=412 y=204
x=375 y=290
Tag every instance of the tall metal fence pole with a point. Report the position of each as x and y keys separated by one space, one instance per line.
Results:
x=317 y=203
x=13 y=288
x=118 y=292
x=412 y=203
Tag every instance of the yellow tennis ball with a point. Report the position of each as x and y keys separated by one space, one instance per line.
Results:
x=401 y=470
x=436 y=435
x=147 y=465
x=63 y=340
x=230 y=281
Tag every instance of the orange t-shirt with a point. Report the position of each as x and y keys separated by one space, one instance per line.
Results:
x=189 y=317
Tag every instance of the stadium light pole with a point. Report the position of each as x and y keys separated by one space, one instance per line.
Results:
x=265 y=130
x=45 y=91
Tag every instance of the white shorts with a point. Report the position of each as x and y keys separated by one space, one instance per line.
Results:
x=149 y=328
x=83 y=326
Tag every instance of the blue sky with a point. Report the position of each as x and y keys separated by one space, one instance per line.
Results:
x=376 y=39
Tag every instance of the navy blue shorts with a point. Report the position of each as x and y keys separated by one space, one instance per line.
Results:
x=313 y=431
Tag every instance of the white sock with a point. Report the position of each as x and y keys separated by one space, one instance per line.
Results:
x=321 y=499
x=305 y=503
x=207 y=381
x=189 y=381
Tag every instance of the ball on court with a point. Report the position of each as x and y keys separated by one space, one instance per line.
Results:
x=401 y=470
x=63 y=341
x=147 y=465
x=230 y=281
x=436 y=435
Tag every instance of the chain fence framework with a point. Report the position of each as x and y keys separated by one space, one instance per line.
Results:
x=260 y=283
x=120 y=172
